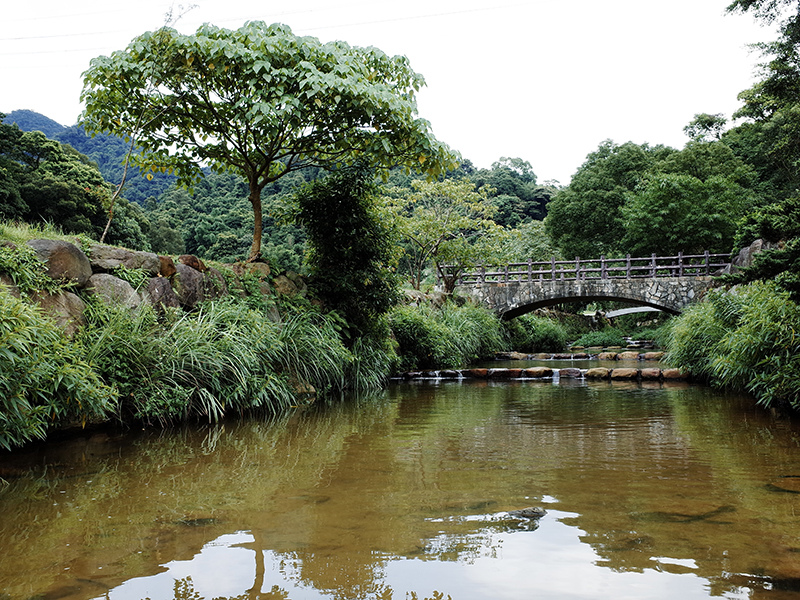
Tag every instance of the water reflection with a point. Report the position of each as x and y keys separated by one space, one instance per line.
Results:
x=652 y=491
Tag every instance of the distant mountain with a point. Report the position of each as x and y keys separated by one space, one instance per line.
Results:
x=107 y=151
x=28 y=120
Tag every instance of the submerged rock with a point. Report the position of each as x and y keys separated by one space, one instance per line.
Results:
x=531 y=512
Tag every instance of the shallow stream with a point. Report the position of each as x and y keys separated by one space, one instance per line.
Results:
x=652 y=490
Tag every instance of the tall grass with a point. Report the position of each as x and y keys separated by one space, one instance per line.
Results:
x=44 y=380
x=227 y=357
x=444 y=338
x=746 y=339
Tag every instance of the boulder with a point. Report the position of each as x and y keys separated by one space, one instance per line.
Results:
x=598 y=373
x=628 y=356
x=192 y=261
x=674 y=374
x=8 y=284
x=570 y=373
x=476 y=373
x=505 y=373
x=189 y=286
x=607 y=356
x=625 y=374
x=65 y=308
x=113 y=291
x=653 y=355
x=745 y=257
x=159 y=293
x=166 y=266
x=214 y=285
x=650 y=374
x=260 y=270
x=511 y=356
x=65 y=261
x=285 y=286
x=105 y=259
x=537 y=372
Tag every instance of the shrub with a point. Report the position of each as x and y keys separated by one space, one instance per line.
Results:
x=603 y=338
x=43 y=380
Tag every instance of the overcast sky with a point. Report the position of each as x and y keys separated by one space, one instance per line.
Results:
x=543 y=80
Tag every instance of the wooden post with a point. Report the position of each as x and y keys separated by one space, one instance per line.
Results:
x=680 y=264
x=603 y=272
x=530 y=270
x=553 y=267
x=483 y=273
x=653 y=264
x=577 y=268
x=628 y=266
x=708 y=263
x=505 y=276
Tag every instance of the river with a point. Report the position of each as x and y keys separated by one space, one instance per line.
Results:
x=651 y=491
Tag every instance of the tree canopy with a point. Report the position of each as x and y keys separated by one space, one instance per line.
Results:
x=260 y=102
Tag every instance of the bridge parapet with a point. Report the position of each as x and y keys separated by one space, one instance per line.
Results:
x=681 y=265
x=666 y=283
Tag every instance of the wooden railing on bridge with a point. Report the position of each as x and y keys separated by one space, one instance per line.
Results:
x=682 y=265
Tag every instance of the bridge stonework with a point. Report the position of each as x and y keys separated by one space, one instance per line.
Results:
x=513 y=298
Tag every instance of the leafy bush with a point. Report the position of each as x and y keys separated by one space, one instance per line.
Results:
x=444 y=338
x=43 y=380
x=603 y=338
x=532 y=333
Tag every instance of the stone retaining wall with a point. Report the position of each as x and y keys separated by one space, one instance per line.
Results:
x=168 y=284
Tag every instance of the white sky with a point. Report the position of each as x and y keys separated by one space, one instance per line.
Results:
x=543 y=80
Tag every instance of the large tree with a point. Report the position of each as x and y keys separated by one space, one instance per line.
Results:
x=261 y=102
x=448 y=223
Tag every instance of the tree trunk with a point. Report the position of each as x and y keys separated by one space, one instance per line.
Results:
x=255 y=200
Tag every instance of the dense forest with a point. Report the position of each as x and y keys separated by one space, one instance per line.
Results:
x=363 y=211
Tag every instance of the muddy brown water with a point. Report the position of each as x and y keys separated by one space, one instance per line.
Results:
x=651 y=491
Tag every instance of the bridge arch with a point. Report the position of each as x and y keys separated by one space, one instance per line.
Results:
x=668 y=284
x=511 y=300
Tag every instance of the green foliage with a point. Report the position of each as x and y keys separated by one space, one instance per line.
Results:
x=25 y=269
x=705 y=127
x=674 y=213
x=641 y=200
x=260 y=102
x=199 y=365
x=351 y=256
x=746 y=339
x=44 y=381
x=444 y=338
x=447 y=223
x=778 y=223
x=512 y=186
x=136 y=277
x=601 y=339
x=585 y=218
x=534 y=333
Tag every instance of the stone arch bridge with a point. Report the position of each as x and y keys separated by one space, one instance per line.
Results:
x=667 y=283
